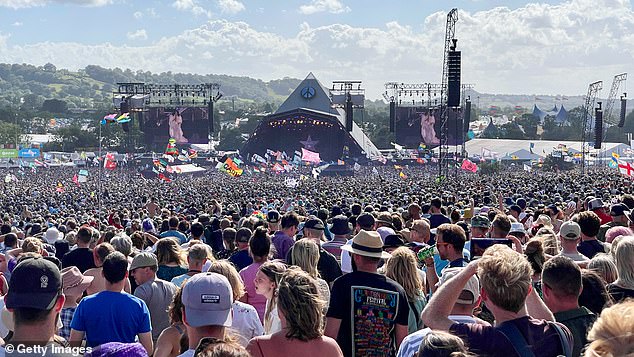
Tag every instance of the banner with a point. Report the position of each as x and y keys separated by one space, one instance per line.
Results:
x=467 y=165
x=29 y=153
x=8 y=153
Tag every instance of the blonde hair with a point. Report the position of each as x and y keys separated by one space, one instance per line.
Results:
x=168 y=251
x=625 y=263
x=403 y=269
x=603 y=264
x=505 y=276
x=298 y=299
x=305 y=254
x=223 y=267
x=549 y=241
x=31 y=245
x=613 y=333
x=273 y=271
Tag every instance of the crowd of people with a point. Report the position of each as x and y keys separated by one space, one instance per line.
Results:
x=508 y=264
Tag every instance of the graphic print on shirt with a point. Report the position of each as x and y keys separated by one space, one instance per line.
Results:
x=373 y=319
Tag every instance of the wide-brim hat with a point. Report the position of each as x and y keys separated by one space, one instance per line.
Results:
x=74 y=283
x=340 y=225
x=368 y=244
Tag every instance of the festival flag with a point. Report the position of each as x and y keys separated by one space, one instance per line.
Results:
x=76 y=180
x=421 y=160
x=625 y=168
x=402 y=175
x=310 y=156
x=171 y=148
x=398 y=167
x=109 y=163
x=397 y=147
x=615 y=155
x=527 y=168
x=467 y=165
x=422 y=146
x=60 y=187
x=231 y=168
x=164 y=178
x=514 y=157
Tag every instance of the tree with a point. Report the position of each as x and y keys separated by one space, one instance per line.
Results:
x=9 y=132
x=529 y=123
x=512 y=131
x=230 y=139
x=55 y=106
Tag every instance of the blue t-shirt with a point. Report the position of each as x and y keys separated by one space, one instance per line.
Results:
x=172 y=233
x=111 y=317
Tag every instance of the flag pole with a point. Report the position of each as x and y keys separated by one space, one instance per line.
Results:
x=99 y=178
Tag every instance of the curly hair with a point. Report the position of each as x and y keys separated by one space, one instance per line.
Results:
x=298 y=299
x=505 y=275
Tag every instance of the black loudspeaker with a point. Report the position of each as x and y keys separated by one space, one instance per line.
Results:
x=140 y=119
x=349 y=114
x=598 y=128
x=124 y=108
x=623 y=108
x=453 y=79
x=466 y=116
x=392 y=116
x=210 y=117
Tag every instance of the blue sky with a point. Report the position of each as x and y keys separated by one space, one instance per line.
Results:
x=547 y=47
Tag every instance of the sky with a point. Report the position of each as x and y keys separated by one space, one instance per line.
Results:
x=508 y=47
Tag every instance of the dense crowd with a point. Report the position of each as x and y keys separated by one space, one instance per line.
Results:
x=379 y=264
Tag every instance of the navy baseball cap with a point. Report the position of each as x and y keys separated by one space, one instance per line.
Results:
x=35 y=283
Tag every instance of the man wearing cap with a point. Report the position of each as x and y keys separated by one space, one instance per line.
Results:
x=283 y=239
x=365 y=222
x=112 y=315
x=619 y=213
x=341 y=231
x=596 y=205
x=462 y=311
x=480 y=225
x=561 y=282
x=241 y=259
x=569 y=237
x=273 y=221
x=328 y=266
x=590 y=224
x=35 y=298
x=156 y=293
x=207 y=300
x=368 y=313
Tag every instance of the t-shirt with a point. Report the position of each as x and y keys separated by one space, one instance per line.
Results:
x=282 y=243
x=182 y=238
x=542 y=338
x=576 y=257
x=590 y=248
x=82 y=258
x=618 y=293
x=168 y=273
x=179 y=280
x=436 y=220
x=245 y=323
x=111 y=317
x=411 y=343
x=256 y=300
x=158 y=295
x=241 y=259
x=369 y=306
x=578 y=321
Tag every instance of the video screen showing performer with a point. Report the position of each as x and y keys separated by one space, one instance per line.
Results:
x=416 y=125
x=187 y=125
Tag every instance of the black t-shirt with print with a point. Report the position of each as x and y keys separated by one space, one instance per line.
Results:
x=369 y=306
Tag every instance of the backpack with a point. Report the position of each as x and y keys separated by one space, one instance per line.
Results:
x=513 y=334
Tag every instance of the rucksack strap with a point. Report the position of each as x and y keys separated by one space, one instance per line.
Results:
x=563 y=338
x=515 y=337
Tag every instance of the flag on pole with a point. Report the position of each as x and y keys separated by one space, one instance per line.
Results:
x=625 y=168
x=109 y=163
x=310 y=156
x=76 y=180
x=402 y=175
x=468 y=165
x=527 y=168
x=397 y=147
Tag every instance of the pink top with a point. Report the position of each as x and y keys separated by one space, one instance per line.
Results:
x=254 y=299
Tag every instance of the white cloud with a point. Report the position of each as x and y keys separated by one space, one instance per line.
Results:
x=192 y=6
x=137 y=15
x=19 y=4
x=17 y=24
x=230 y=6
x=538 y=48
x=331 y=6
x=137 y=35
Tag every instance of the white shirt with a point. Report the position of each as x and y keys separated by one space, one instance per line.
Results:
x=188 y=353
x=346 y=260
x=246 y=322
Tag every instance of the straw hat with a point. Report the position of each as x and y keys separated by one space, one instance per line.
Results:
x=368 y=244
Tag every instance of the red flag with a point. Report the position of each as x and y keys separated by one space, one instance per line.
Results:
x=164 y=178
x=467 y=165
x=76 y=180
x=109 y=163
